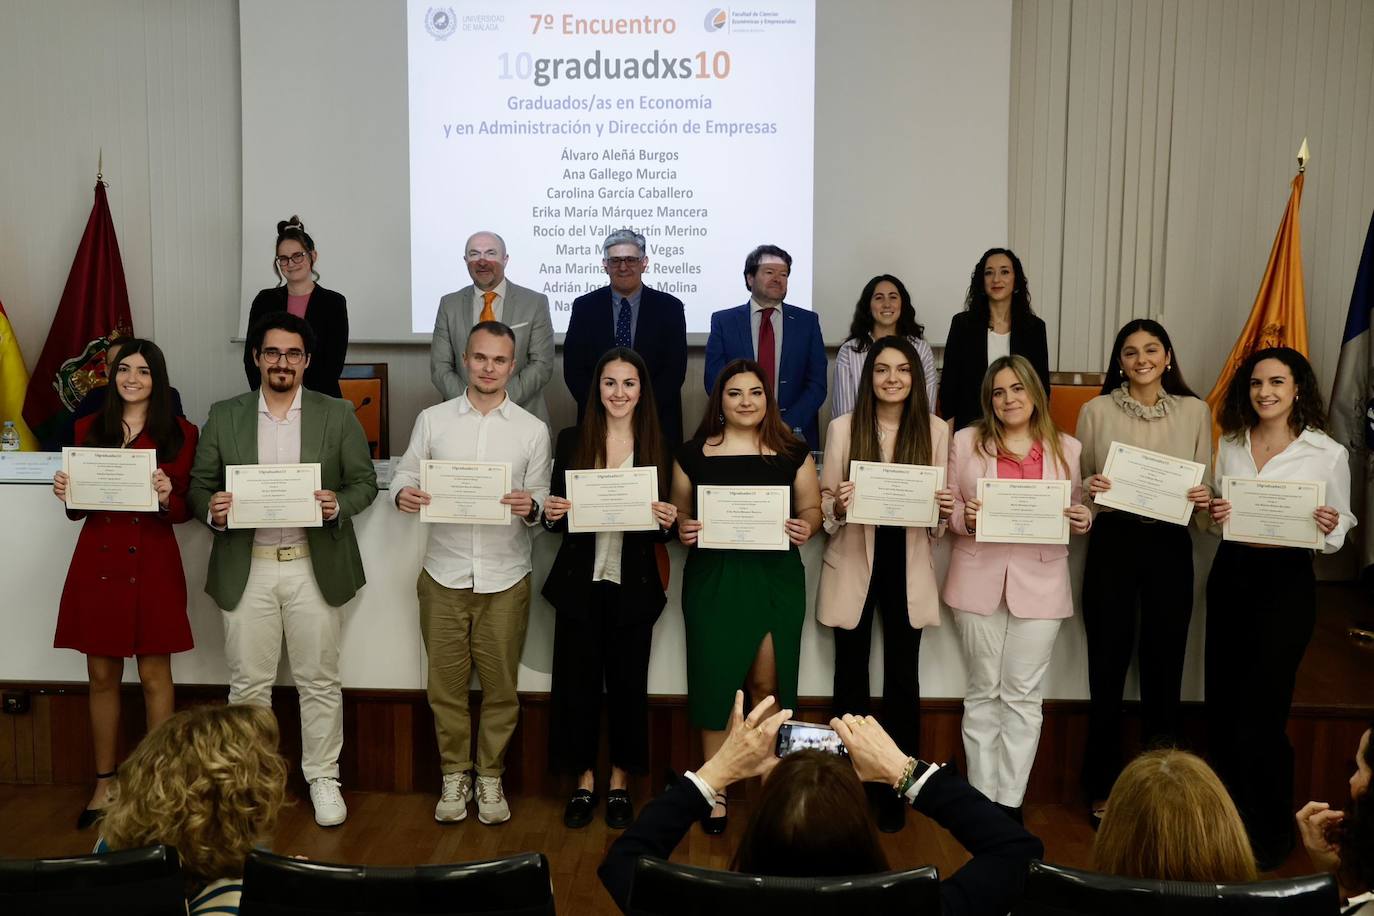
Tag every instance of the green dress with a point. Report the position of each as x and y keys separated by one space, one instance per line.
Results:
x=732 y=599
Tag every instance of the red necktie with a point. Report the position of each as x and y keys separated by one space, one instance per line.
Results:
x=767 y=356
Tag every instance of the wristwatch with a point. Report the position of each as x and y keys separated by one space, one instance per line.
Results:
x=533 y=515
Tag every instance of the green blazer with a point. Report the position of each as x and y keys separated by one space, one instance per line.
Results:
x=330 y=435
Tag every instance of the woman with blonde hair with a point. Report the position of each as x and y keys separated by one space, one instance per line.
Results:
x=1169 y=817
x=208 y=781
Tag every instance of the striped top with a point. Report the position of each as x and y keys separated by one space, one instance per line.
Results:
x=220 y=898
x=849 y=364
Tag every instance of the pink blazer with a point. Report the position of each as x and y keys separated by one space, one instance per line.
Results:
x=848 y=562
x=1035 y=576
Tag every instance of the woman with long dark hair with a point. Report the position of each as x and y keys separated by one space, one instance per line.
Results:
x=126 y=592
x=884 y=309
x=997 y=321
x=607 y=592
x=1273 y=427
x=1137 y=567
x=881 y=570
x=743 y=608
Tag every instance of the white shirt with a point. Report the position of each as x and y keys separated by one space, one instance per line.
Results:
x=479 y=301
x=279 y=442
x=755 y=319
x=999 y=345
x=1312 y=456
x=484 y=558
x=606 y=566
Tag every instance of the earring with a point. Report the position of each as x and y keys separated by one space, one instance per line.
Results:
x=1169 y=367
x=720 y=418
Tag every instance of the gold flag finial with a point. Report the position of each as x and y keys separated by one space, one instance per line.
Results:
x=100 y=165
x=1303 y=155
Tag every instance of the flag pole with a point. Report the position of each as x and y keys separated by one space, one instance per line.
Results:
x=1303 y=155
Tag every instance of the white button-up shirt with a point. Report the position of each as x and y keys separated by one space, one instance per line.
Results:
x=484 y=558
x=279 y=442
x=755 y=320
x=1312 y=456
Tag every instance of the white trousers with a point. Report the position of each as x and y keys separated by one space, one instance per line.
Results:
x=282 y=599
x=1006 y=657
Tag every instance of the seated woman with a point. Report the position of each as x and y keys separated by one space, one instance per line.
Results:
x=210 y=782
x=1173 y=797
x=1342 y=842
x=812 y=817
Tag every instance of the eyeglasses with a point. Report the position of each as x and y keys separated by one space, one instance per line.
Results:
x=490 y=254
x=272 y=356
x=293 y=259
x=622 y=262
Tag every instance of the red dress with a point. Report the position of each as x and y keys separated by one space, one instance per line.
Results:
x=126 y=591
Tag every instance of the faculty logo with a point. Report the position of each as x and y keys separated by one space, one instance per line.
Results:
x=440 y=22
x=716 y=19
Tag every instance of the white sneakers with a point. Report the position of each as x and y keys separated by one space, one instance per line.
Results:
x=454 y=798
x=330 y=810
x=491 y=801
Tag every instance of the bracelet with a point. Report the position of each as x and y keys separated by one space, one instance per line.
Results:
x=907 y=778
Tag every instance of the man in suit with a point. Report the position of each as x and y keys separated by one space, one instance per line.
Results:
x=629 y=314
x=492 y=297
x=271 y=582
x=785 y=340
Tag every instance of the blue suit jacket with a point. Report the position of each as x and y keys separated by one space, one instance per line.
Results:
x=801 y=374
x=660 y=337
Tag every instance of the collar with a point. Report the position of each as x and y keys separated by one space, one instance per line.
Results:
x=465 y=406
x=1309 y=436
x=633 y=297
x=1161 y=408
x=499 y=289
x=755 y=306
x=295 y=403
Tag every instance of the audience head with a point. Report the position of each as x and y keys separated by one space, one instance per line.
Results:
x=892 y=374
x=622 y=257
x=296 y=254
x=485 y=255
x=1364 y=764
x=489 y=356
x=884 y=302
x=1354 y=834
x=1169 y=817
x=208 y=781
x=998 y=277
x=740 y=400
x=621 y=388
x=1276 y=383
x=766 y=269
x=1143 y=354
x=138 y=375
x=281 y=344
x=1013 y=399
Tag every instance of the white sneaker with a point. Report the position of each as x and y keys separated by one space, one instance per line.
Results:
x=454 y=798
x=330 y=809
x=491 y=801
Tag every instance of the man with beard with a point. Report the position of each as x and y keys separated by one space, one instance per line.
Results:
x=474 y=587
x=271 y=582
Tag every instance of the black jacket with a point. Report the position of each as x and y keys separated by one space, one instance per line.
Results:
x=966 y=361
x=327 y=315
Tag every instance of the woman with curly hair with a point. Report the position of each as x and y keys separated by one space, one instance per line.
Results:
x=1272 y=426
x=208 y=781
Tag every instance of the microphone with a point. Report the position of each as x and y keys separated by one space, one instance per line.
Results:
x=367 y=400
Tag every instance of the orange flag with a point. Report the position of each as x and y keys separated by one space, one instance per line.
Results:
x=1279 y=315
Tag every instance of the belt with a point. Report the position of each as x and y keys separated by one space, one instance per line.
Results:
x=282 y=554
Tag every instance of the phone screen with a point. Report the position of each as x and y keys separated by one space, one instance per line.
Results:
x=808 y=736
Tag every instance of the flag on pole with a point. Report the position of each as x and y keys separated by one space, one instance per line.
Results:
x=1352 y=398
x=14 y=381
x=1279 y=316
x=94 y=310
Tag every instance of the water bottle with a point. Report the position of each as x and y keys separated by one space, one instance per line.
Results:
x=9 y=439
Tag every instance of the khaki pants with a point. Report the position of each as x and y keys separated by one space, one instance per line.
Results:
x=460 y=629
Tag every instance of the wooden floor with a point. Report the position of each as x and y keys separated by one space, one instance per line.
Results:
x=399 y=829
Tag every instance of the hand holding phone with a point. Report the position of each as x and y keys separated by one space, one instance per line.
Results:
x=803 y=736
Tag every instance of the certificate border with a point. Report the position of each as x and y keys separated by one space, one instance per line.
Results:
x=427 y=515
x=1113 y=451
x=593 y=529
x=1318 y=543
x=704 y=491
x=149 y=454
x=852 y=517
x=1058 y=483
x=317 y=521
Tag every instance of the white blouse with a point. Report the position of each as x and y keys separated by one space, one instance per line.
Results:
x=1312 y=456
x=606 y=566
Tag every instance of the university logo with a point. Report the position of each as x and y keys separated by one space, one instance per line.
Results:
x=440 y=22
x=716 y=19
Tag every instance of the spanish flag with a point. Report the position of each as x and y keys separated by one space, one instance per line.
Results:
x=14 y=382
x=1279 y=316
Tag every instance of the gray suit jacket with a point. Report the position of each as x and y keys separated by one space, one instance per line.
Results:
x=527 y=314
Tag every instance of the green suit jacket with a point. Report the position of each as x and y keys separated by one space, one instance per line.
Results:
x=331 y=436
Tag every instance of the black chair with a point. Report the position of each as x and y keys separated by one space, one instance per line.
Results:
x=132 y=882
x=1053 y=890
x=514 y=886
x=668 y=889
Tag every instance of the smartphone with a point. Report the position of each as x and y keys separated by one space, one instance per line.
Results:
x=804 y=736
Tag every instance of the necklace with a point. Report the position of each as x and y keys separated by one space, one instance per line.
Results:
x=884 y=431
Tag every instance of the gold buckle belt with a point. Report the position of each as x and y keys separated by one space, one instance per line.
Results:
x=282 y=554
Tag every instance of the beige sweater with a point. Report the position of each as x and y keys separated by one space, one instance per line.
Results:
x=1178 y=426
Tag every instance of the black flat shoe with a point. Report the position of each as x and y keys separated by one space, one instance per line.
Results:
x=620 y=812
x=715 y=826
x=579 y=810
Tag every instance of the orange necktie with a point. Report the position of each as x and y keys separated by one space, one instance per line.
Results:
x=487 y=299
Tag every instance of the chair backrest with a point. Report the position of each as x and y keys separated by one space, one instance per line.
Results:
x=1054 y=890
x=515 y=886
x=131 y=882
x=366 y=385
x=669 y=889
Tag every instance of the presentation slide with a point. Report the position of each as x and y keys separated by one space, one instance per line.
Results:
x=555 y=125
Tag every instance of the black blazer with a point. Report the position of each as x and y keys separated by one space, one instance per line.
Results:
x=966 y=361
x=327 y=315
x=569 y=583
x=660 y=337
x=986 y=885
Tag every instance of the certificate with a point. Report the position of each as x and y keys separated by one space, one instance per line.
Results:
x=273 y=495
x=1149 y=484
x=1277 y=512
x=1023 y=511
x=901 y=495
x=29 y=467
x=743 y=518
x=465 y=492
x=110 y=479
x=613 y=499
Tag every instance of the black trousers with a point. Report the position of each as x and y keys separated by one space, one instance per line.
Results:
x=901 y=648
x=1261 y=609
x=1135 y=569
x=588 y=653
